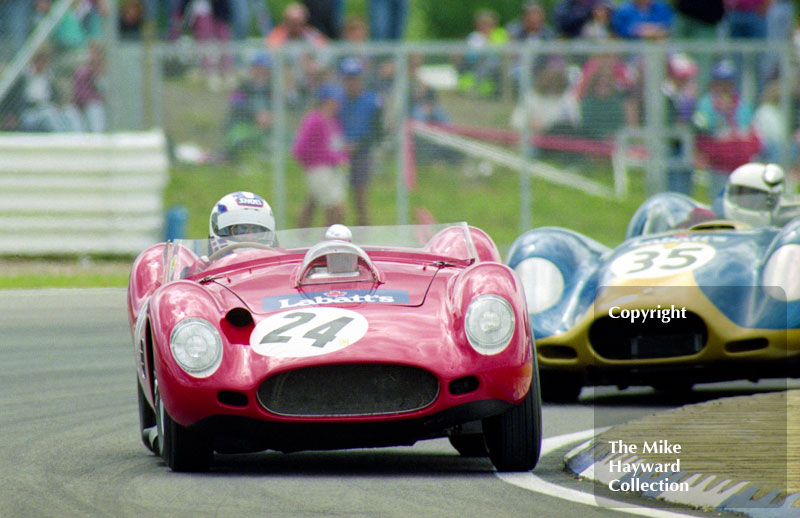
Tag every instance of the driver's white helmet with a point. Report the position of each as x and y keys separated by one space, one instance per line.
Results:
x=752 y=192
x=240 y=213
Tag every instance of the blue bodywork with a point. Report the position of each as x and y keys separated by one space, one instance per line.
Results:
x=732 y=280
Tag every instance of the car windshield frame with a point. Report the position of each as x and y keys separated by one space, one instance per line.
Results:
x=185 y=257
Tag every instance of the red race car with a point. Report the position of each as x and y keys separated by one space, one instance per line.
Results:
x=333 y=338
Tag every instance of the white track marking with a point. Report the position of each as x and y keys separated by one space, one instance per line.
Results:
x=534 y=483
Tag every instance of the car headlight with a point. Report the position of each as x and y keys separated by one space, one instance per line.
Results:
x=196 y=346
x=781 y=271
x=489 y=324
x=542 y=282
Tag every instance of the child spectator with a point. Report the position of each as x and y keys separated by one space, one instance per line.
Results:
x=41 y=110
x=87 y=93
x=480 y=70
x=319 y=147
x=598 y=28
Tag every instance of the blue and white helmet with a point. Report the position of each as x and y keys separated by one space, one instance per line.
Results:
x=240 y=213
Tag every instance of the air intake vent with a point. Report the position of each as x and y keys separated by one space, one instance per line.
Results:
x=349 y=390
x=619 y=339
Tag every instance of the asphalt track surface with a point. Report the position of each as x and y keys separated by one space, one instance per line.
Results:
x=70 y=444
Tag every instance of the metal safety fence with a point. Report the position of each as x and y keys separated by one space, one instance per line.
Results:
x=605 y=118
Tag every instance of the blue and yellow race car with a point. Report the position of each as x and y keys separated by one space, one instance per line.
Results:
x=687 y=298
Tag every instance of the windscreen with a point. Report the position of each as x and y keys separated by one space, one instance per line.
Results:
x=450 y=241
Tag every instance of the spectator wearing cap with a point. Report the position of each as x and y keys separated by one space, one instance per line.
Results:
x=571 y=15
x=250 y=113
x=643 y=19
x=724 y=122
x=361 y=119
x=319 y=147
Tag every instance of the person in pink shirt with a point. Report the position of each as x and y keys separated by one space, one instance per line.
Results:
x=319 y=147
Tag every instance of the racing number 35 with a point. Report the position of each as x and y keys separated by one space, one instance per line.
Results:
x=321 y=334
x=662 y=259
x=650 y=258
x=308 y=331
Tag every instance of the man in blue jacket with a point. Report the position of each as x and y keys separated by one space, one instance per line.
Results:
x=361 y=118
x=643 y=19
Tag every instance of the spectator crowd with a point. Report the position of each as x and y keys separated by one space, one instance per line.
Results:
x=729 y=103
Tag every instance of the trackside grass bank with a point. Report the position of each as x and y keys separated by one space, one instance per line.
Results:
x=487 y=197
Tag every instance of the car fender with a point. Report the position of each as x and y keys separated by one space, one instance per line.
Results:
x=558 y=269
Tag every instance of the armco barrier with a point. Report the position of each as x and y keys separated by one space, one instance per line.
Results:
x=81 y=193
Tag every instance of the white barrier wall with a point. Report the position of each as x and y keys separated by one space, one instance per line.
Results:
x=81 y=193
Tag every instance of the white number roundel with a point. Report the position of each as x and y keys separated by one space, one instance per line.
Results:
x=307 y=332
x=662 y=259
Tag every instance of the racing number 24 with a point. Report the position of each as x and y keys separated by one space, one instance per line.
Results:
x=321 y=334
x=647 y=259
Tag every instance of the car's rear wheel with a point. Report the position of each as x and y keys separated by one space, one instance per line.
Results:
x=514 y=438
x=469 y=444
x=147 y=418
x=182 y=449
x=561 y=387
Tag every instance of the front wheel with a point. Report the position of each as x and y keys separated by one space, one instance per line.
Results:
x=181 y=448
x=514 y=438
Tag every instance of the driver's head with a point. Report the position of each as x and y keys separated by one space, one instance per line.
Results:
x=752 y=193
x=238 y=214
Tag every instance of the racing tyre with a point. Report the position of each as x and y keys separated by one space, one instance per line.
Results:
x=514 y=438
x=181 y=448
x=147 y=418
x=560 y=387
x=469 y=444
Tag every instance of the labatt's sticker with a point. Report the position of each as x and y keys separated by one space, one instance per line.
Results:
x=321 y=298
x=304 y=332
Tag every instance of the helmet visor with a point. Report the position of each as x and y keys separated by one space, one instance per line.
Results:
x=749 y=198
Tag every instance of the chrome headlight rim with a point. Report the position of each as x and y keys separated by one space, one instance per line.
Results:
x=204 y=368
x=478 y=308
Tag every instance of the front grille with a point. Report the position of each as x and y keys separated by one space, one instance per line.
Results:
x=620 y=339
x=348 y=390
